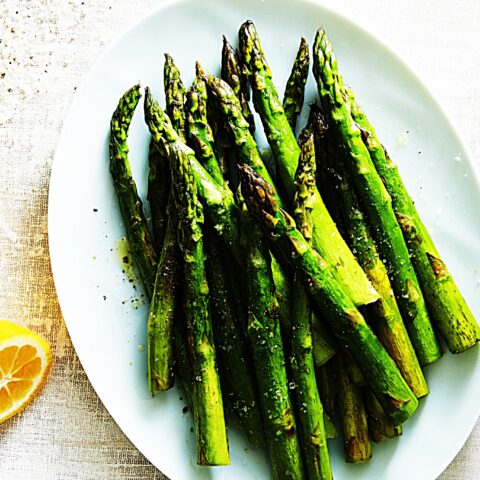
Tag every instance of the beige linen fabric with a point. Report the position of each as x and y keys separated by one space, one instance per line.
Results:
x=46 y=48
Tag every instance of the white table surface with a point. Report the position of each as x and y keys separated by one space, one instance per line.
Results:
x=46 y=49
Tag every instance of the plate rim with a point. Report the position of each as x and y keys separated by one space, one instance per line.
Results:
x=166 y=4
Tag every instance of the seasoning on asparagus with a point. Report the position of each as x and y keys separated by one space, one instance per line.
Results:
x=446 y=304
x=161 y=316
x=235 y=365
x=295 y=89
x=376 y=203
x=268 y=358
x=309 y=406
x=212 y=446
x=326 y=238
x=138 y=233
x=386 y=319
x=229 y=108
x=174 y=96
x=199 y=132
x=346 y=321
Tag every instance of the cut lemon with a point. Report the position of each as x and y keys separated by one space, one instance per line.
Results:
x=25 y=360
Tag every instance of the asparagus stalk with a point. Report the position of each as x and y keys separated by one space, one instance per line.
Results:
x=233 y=75
x=161 y=316
x=229 y=108
x=356 y=440
x=158 y=194
x=295 y=89
x=174 y=96
x=227 y=102
x=324 y=346
x=346 y=321
x=309 y=405
x=386 y=319
x=138 y=233
x=212 y=447
x=327 y=388
x=218 y=201
x=238 y=382
x=326 y=238
x=447 y=307
x=376 y=203
x=379 y=426
x=353 y=370
x=267 y=348
x=199 y=132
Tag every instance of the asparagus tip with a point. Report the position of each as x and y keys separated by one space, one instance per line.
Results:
x=258 y=193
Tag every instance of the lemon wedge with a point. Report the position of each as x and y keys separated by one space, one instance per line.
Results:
x=25 y=360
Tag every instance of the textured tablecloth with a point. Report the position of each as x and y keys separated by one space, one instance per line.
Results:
x=46 y=48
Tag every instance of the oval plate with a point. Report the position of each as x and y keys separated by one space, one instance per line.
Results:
x=106 y=314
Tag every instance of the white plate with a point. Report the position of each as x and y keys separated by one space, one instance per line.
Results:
x=109 y=334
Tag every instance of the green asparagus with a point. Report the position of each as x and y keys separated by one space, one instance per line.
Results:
x=233 y=75
x=326 y=238
x=162 y=315
x=158 y=193
x=376 y=202
x=138 y=233
x=235 y=364
x=295 y=89
x=212 y=447
x=346 y=321
x=447 y=307
x=174 y=96
x=267 y=348
x=356 y=440
x=199 y=132
x=379 y=426
x=310 y=409
x=386 y=319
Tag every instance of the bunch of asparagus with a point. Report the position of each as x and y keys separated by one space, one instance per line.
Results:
x=285 y=295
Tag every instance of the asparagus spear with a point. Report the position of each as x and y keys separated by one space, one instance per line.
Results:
x=174 y=96
x=218 y=201
x=295 y=89
x=379 y=426
x=324 y=346
x=326 y=238
x=346 y=321
x=208 y=407
x=244 y=147
x=447 y=307
x=267 y=348
x=376 y=202
x=158 y=193
x=308 y=400
x=162 y=315
x=386 y=319
x=138 y=233
x=199 y=132
x=212 y=447
x=327 y=388
x=233 y=75
x=229 y=108
x=237 y=371
x=356 y=440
